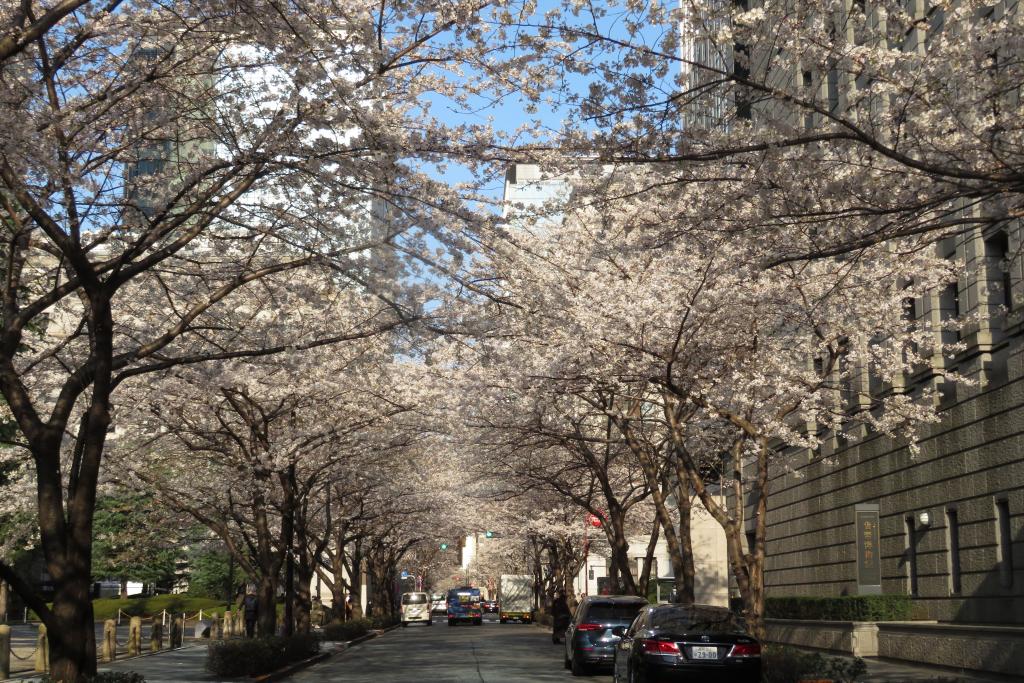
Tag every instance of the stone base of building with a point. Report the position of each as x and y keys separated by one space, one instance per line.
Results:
x=990 y=649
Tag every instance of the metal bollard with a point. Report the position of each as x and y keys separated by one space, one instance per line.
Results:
x=229 y=624
x=135 y=637
x=156 y=635
x=42 y=650
x=177 y=631
x=5 y=652
x=109 y=640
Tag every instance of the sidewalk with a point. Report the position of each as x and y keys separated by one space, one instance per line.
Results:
x=182 y=665
x=888 y=671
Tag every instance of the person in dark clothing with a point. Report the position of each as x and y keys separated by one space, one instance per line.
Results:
x=559 y=617
x=250 y=607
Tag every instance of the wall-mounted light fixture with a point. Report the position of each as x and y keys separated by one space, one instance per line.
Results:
x=924 y=518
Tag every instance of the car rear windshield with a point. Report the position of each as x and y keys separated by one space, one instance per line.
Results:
x=697 y=619
x=604 y=612
x=414 y=598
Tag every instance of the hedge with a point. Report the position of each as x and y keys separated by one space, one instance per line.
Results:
x=106 y=608
x=845 y=608
x=349 y=630
x=106 y=677
x=784 y=665
x=252 y=657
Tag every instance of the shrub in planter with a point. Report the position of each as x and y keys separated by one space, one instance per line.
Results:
x=845 y=608
x=258 y=656
x=788 y=665
x=383 y=620
x=107 y=677
x=348 y=630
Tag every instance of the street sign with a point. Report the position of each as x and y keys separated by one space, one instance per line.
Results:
x=405 y=574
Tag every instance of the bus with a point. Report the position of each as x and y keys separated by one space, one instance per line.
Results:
x=464 y=605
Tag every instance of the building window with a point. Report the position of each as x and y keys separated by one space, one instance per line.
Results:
x=949 y=303
x=953 y=537
x=912 y=554
x=997 y=249
x=1004 y=543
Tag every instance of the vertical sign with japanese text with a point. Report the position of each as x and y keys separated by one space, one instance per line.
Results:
x=869 y=558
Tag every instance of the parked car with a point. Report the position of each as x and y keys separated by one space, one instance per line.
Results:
x=595 y=629
x=438 y=603
x=490 y=606
x=415 y=607
x=687 y=642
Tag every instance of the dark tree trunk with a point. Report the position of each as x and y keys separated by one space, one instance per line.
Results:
x=686 y=573
x=645 y=574
x=303 y=598
x=267 y=613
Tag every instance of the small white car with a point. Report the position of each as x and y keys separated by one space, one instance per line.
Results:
x=415 y=607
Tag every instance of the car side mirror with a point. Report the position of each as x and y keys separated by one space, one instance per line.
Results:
x=620 y=631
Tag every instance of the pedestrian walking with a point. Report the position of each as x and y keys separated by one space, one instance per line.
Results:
x=250 y=607
x=559 y=617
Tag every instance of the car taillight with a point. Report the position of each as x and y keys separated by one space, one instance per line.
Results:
x=590 y=627
x=745 y=650
x=661 y=647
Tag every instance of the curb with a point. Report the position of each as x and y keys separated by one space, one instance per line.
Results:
x=295 y=667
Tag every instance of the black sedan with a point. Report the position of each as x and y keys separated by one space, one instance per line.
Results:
x=687 y=642
x=594 y=630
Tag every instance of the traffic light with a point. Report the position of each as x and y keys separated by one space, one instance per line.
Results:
x=444 y=546
x=488 y=534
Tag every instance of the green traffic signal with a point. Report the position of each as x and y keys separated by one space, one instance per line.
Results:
x=489 y=534
x=444 y=546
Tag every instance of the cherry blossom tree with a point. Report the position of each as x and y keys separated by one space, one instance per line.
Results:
x=211 y=145
x=718 y=364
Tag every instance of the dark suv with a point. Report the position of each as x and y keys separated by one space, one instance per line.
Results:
x=590 y=639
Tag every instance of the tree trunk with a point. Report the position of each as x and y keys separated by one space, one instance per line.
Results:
x=686 y=573
x=645 y=574
x=267 y=609
x=303 y=597
x=72 y=635
x=124 y=588
x=622 y=576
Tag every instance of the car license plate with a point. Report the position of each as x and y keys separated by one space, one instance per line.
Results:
x=704 y=652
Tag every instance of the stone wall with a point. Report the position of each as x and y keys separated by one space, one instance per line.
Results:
x=993 y=649
x=970 y=462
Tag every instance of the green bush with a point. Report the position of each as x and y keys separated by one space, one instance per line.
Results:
x=845 y=608
x=252 y=657
x=348 y=630
x=787 y=665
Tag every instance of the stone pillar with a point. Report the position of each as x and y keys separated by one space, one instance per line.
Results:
x=135 y=637
x=156 y=634
x=42 y=650
x=177 y=631
x=229 y=624
x=215 y=628
x=5 y=651
x=239 y=622
x=109 y=640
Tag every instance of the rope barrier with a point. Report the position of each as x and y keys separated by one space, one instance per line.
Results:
x=15 y=654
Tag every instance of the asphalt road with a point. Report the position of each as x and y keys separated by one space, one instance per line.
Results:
x=492 y=653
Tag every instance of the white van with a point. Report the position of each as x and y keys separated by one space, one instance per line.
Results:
x=415 y=607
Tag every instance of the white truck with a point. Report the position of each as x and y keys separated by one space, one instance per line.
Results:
x=515 y=598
